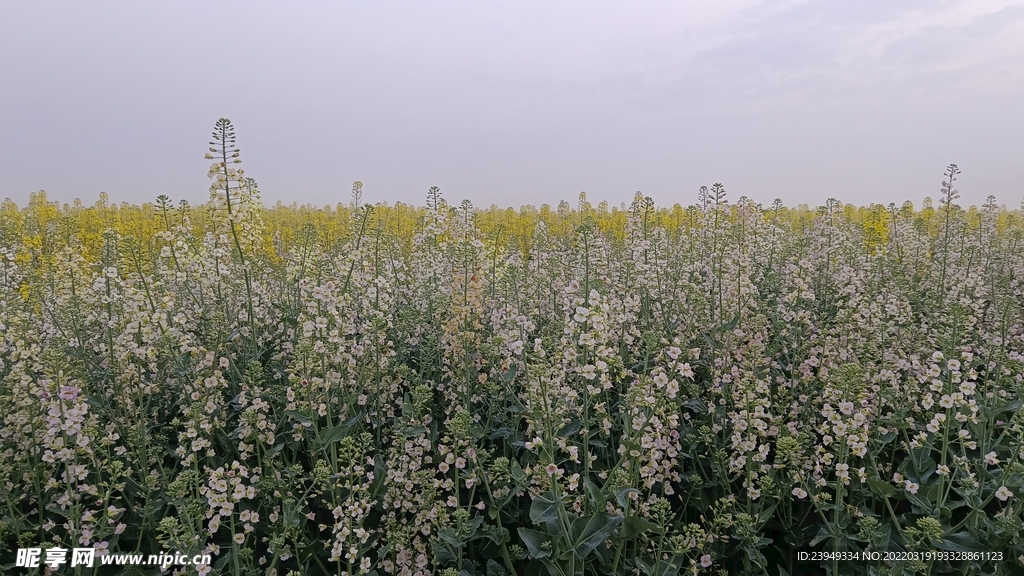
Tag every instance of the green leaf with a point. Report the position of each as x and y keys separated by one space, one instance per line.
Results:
x=622 y=495
x=595 y=494
x=756 y=557
x=924 y=465
x=445 y=553
x=509 y=375
x=731 y=325
x=961 y=542
x=495 y=569
x=661 y=567
x=535 y=542
x=552 y=568
x=517 y=473
x=95 y=401
x=493 y=533
x=474 y=526
x=712 y=342
x=414 y=431
x=881 y=487
x=881 y=539
x=697 y=405
x=919 y=455
x=545 y=507
x=1008 y=407
x=448 y=535
x=299 y=417
x=823 y=534
x=500 y=433
x=766 y=513
x=633 y=526
x=334 y=434
x=569 y=429
x=588 y=532
x=922 y=504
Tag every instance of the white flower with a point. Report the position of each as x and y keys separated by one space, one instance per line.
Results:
x=516 y=347
x=672 y=389
x=705 y=560
x=991 y=459
x=685 y=370
x=799 y=492
x=661 y=379
x=911 y=486
x=674 y=352
x=1003 y=493
x=581 y=315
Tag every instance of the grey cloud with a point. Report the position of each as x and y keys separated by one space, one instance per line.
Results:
x=516 y=103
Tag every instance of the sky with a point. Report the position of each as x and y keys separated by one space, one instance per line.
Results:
x=513 y=103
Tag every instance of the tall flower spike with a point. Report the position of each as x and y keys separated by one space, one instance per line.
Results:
x=357 y=194
x=718 y=194
x=234 y=199
x=434 y=198
x=948 y=192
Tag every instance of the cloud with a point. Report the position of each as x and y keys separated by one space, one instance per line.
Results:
x=497 y=100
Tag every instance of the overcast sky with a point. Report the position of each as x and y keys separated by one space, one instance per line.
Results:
x=516 y=102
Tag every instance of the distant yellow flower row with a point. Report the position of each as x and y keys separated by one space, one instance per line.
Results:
x=42 y=226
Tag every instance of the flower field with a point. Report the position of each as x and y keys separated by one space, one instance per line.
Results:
x=710 y=389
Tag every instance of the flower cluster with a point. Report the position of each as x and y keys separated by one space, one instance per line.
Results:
x=385 y=389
